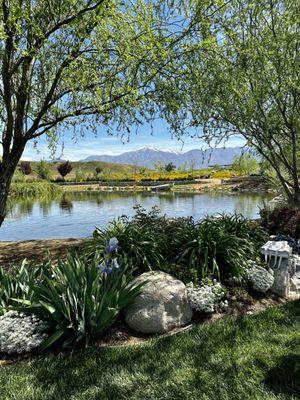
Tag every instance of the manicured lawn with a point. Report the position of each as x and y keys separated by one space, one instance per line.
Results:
x=253 y=357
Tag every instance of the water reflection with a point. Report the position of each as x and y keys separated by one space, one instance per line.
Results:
x=77 y=214
x=45 y=206
x=65 y=204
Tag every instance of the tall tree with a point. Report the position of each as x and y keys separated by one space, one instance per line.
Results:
x=242 y=76
x=78 y=63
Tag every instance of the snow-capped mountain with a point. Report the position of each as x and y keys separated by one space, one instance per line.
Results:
x=151 y=156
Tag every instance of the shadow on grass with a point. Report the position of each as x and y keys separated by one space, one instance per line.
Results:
x=212 y=361
x=284 y=377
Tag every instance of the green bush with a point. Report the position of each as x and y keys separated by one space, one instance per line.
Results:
x=245 y=164
x=43 y=170
x=214 y=247
x=79 y=175
x=213 y=250
x=78 y=301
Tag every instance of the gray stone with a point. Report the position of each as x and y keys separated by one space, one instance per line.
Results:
x=162 y=305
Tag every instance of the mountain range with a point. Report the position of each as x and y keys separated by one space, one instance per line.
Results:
x=150 y=157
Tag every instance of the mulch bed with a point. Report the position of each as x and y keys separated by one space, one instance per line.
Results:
x=38 y=250
x=120 y=334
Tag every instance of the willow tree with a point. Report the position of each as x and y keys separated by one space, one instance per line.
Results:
x=242 y=76
x=79 y=63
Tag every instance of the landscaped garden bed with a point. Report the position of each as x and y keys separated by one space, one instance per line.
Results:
x=144 y=281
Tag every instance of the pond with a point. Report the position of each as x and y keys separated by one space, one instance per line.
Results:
x=77 y=214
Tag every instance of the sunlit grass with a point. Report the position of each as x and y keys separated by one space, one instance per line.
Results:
x=252 y=357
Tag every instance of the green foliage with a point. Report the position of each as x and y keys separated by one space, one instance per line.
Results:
x=43 y=170
x=98 y=170
x=245 y=164
x=17 y=284
x=18 y=176
x=220 y=247
x=77 y=301
x=79 y=175
x=34 y=189
x=213 y=247
x=170 y=167
x=242 y=76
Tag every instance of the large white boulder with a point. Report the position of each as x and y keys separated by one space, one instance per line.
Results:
x=162 y=305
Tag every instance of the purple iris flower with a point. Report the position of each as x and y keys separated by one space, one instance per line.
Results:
x=108 y=267
x=113 y=246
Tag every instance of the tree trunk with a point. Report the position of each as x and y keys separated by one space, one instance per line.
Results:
x=5 y=182
x=296 y=199
x=7 y=168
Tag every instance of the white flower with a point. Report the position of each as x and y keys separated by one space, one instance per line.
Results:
x=205 y=298
x=261 y=279
x=20 y=333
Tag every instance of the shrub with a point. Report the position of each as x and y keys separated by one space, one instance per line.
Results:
x=25 y=167
x=245 y=164
x=43 y=170
x=284 y=221
x=79 y=175
x=170 y=167
x=18 y=176
x=214 y=250
x=213 y=247
x=98 y=170
x=79 y=300
x=64 y=169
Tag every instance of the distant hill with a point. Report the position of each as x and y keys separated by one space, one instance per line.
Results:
x=86 y=168
x=150 y=156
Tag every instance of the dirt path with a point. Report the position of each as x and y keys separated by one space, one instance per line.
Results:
x=37 y=250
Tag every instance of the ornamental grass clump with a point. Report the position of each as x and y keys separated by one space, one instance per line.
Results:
x=18 y=284
x=79 y=299
x=211 y=248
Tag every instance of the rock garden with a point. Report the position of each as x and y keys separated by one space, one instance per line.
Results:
x=143 y=276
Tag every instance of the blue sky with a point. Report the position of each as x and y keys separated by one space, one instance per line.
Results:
x=104 y=144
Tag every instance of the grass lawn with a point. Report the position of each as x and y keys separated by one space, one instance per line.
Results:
x=253 y=357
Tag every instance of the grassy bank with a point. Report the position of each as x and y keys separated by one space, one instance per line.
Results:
x=252 y=357
x=32 y=189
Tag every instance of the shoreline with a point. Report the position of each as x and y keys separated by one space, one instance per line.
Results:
x=238 y=184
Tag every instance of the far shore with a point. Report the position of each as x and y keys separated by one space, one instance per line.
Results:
x=237 y=184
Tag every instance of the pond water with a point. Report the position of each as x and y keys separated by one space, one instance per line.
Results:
x=77 y=214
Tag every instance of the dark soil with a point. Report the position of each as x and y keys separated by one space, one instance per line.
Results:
x=38 y=250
